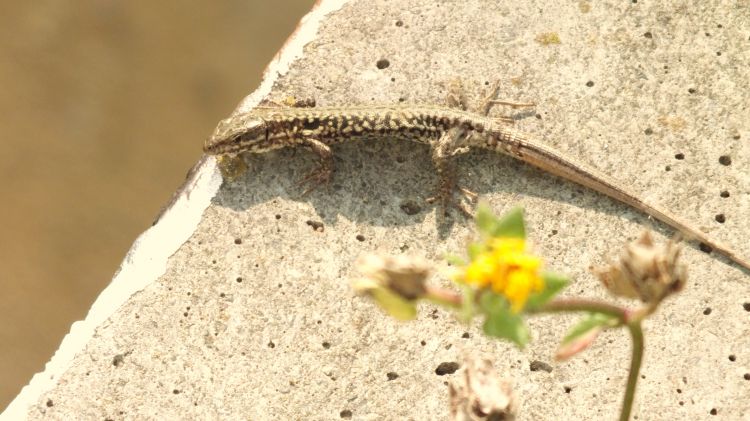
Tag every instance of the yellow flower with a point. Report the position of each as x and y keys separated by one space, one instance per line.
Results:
x=521 y=283
x=506 y=246
x=479 y=273
x=508 y=270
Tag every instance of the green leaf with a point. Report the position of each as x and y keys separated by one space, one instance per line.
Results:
x=474 y=250
x=454 y=259
x=468 y=309
x=591 y=321
x=575 y=346
x=486 y=220
x=394 y=304
x=511 y=225
x=583 y=334
x=553 y=284
x=502 y=323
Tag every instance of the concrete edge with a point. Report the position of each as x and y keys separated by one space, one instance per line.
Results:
x=146 y=261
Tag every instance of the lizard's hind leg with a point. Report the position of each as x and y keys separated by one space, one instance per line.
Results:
x=322 y=174
x=443 y=153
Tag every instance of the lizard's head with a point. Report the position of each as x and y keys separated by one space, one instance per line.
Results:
x=241 y=133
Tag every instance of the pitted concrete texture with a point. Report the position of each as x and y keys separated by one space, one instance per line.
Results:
x=254 y=317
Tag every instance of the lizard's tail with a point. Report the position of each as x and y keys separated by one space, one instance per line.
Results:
x=519 y=146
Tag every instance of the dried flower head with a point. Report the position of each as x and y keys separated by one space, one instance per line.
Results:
x=645 y=271
x=403 y=275
x=483 y=394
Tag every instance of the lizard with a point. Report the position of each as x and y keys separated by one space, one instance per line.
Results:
x=448 y=129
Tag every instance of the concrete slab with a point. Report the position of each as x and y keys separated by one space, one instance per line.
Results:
x=247 y=311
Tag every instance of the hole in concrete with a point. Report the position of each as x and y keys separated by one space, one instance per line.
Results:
x=326 y=345
x=118 y=360
x=410 y=207
x=345 y=413
x=724 y=194
x=568 y=389
x=537 y=365
x=679 y=156
x=360 y=237
x=707 y=311
x=392 y=375
x=725 y=160
x=720 y=218
x=316 y=225
x=446 y=368
x=237 y=241
x=382 y=63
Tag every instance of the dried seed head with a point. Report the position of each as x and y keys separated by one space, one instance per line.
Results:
x=482 y=395
x=402 y=275
x=645 y=271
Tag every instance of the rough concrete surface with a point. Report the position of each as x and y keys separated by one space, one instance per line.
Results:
x=254 y=317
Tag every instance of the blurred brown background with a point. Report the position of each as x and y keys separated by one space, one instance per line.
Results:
x=104 y=107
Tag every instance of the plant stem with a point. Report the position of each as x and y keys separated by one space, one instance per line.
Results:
x=578 y=304
x=636 y=333
x=631 y=320
x=444 y=297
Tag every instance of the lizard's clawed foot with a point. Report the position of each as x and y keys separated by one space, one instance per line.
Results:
x=317 y=177
x=491 y=100
x=445 y=199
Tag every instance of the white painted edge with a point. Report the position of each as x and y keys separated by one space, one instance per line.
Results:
x=146 y=261
x=306 y=32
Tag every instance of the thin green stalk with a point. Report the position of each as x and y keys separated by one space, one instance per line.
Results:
x=578 y=304
x=443 y=297
x=636 y=332
x=627 y=318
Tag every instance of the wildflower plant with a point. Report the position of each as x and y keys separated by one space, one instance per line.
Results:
x=503 y=282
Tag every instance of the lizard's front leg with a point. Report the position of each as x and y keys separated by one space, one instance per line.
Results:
x=322 y=174
x=443 y=153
